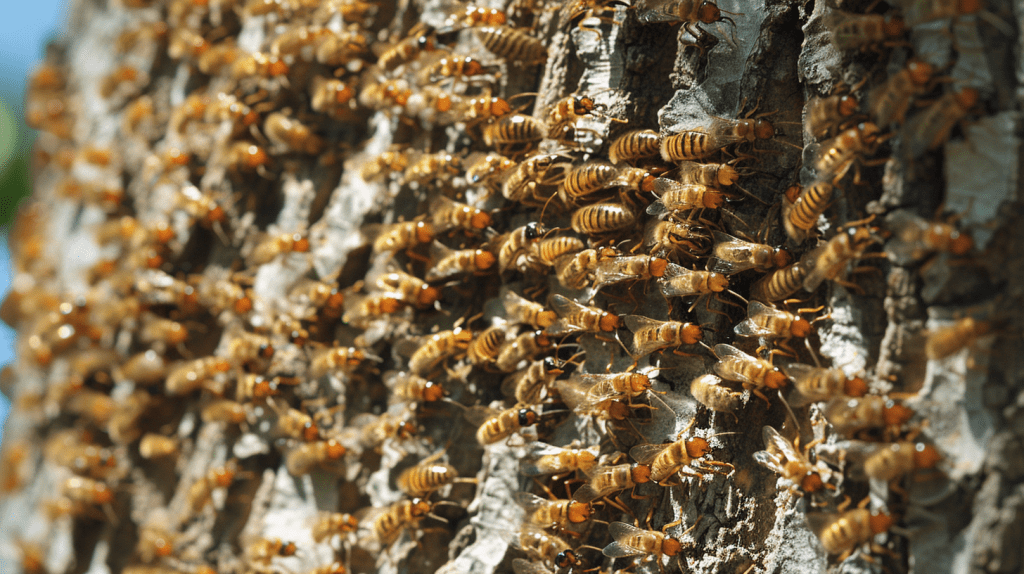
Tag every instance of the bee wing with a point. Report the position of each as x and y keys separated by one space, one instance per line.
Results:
x=654 y=11
x=749 y=328
x=663 y=185
x=645 y=453
x=725 y=243
x=776 y=443
x=606 y=273
x=658 y=209
x=523 y=566
x=769 y=461
x=638 y=322
x=478 y=414
x=541 y=459
x=817 y=273
x=564 y=305
x=572 y=395
x=439 y=251
x=587 y=493
x=620 y=550
x=529 y=502
x=439 y=207
x=724 y=350
x=512 y=302
x=620 y=530
x=801 y=395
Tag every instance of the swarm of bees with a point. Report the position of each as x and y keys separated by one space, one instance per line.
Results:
x=542 y=279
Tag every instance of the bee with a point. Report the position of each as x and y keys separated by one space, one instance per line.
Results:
x=396 y=518
x=889 y=462
x=361 y=311
x=374 y=431
x=123 y=427
x=454 y=66
x=438 y=347
x=859 y=31
x=335 y=98
x=710 y=392
x=674 y=196
x=544 y=459
x=512 y=44
x=226 y=295
x=606 y=480
x=699 y=143
x=411 y=289
x=946 y=341
x=527 y=385
x=291 y=134
x=486 y=346
x=199 y=206
x=193 y=375
x=732 y=255
x=818 y=384
x=386 y=95
x=442 y=165
x=633 y=541
x=684 y=456
x=845 y=531
x=248 y=347
x=576 y=318
x=780 y=283
x=649 y=335
x=125 y=81
x=264 y=550
x=611 y=270
x=834 y=157
x=302 y=459
x=575 y=270
x=257 y=388
x=635 y=145
x=258 y=65
x=154 y=543
x=342 y=49
x=547 y=251
x=753 y=372
x=392 y=161
x=411 y=388
x=915 y=237
x=540 y=545
x=521 y=348
x=542 y=169
x=803 y=206
x=449 y=262
x=338 y=359
x=771 y=323
x=679 y=281
x=517 y=242
x=225 y=411
x=784 y=458
x=931 y=128
x=553 y=513
x=247 y=157
x=824 y=114
x=503 y=424
x=446 y=214
x=587 y=179
x=294 y=423
x=404 y=235
x=890 y=100
x=419 y=41
x=270 y=247
x=514 y=135
x=518 y=309
x=421 y=480
x=602 y=218
x=706 y=174
x=587 y=390
x=157 y=446
x=470 y=16
x=488 y=169
x=199 y=494
x=330 y=523
x=830 y=259
x=853 y=415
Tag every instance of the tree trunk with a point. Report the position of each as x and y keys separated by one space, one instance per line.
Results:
x=143 y=103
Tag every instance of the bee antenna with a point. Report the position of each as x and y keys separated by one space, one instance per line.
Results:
x=737 y=295
x=789 y=410
x=750 y=195
x=712 y=351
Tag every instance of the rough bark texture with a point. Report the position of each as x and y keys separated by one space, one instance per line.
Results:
x=131 y=108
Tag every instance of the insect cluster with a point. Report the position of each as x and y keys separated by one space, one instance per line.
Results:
x=625 y=312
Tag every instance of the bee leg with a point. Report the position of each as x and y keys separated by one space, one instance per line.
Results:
x=545 y=488
x=761 y=396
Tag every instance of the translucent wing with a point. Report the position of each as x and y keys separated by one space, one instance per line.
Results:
x=620 y=550
x=530 y=502
x=722 y=350
x=478 y=415
x=731 y=255
x=638 y=322
x=586 y=493
x=654 y=11
x=817 y=273
x=804 y=393
x=769 y=461
x=776 y=444
x=748 y=327
x=622 y=530
x=645 y=453
x=658 y=209
x=643 y=343
x=610 y=271
x=541 y=459
x=679 y=281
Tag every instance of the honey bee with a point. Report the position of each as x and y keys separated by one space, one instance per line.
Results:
x=517 y=242
x=947 y=341
x=859 y=31
x=410 y=289
x=853 y=415
x=334 y=98
x=612 y=270
x=606 y=480
x=338 y=359
x=518 y=309
x=707 y=174
x=633 y=541
x=675 y=196
x=575 y=270
x=553 y=513
x=890 y=100
x=258 y=65
x=200 y=206
x=442 y=165
x=540 y=545
x=248 y=347
x=587 y=179
x=294 y=423
x=699 y=143
x=499 y=425
x=689 y=12
x=710 y=392
x=890 y=462
x=818 y=384
x=587 y=390
x=404 y=235
x=538 y=170
x=576 y=318
x=635 y=145
x=387 y=95
x=547 y=251
x=330 y=523
x=123 y=427
x=784 y=458
x=803 y=206
x=544 y=459
x=154 y=543
x=157 y=446
x=732 y=255
x=225 y=411
x=915 y=237
x=486 y=346
x=771 y=323
x=419 y=41
x=199 y=494
x=302 y=459
x=780 y=283
x=602 y=218
x=829 y=260
x=449 y=262
x=374 y=431
x=523 y=347
x=649 y=335
x=257 y=388
x=462 y=67
x=424 y=478
x=291 y=134
x=824 y=114
x=753 y=372
x=269 y=248
x=529 y=384
x=344 y=48
x=247 y=157
x=842 y=532
x=438 y=347
x=679 y=281
x=514 y=135
x=399 y=516
x=931 y=128
x=834 y=157
x=264 y=550
x=685 y=456
x=361 y=311
x=470 y=16
x=379 y=167
x=446 y=214
x=488 y=169
x=512 y=44
x=411 y=388
x=193 y=375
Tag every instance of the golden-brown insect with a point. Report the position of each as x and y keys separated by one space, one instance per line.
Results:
x=338 y=358
x=438 y=347
x=303 y=458
x=342 y=48
x=780 y=283
x=412 y=388
x=454 y=66
x=292 y=135
x=606 y=480
x=540 y=545
x=404 y=235
x=931 y=128
x=518 y=309
x=689 y=12
x=485 y=346
x=819 y=384
x=362 y=310
x=612 y=270
x=587 y=178
x=247 y=157
x=707 y=174
x=294 y=423
x=199 y=494
x=446 y=214
x=633 y=541
x=576 y=318
x=784 y=458
x=396 y=518
x=87 y=491
x=674 y=196
x=528 y=385
x=336 y=99
x=710 y=392
x=517 y=242
x=602 y=218
x=330 y=523
x=246 y=347
x=547 y=251
x=699 y=143
x=842 y=532
x=392 y=161
x=157 y=446
x=825 y=114
x=409 y=288
x=424 y=478
x=194 y=374
x=753 y=372
x=857 y=31
x=771 y=323
x=915 y=237
x=270 y=247
x=513 y=45
x=553 y=513
x=123 y=427
x=649 y=335
x=834 y=157
x=544 y=459
x=420 y=40
x=154 y=543
x=257 y=388
x=584 y=391
x=470 y=16
x=538 y=170
x=264 y=550
x=889 y=462
x=829 y=260
x=431 y=167
x=258 y=64
x=503 y=424
x=802 y=206
x=225 y=411
x=575 y=270
x=634 y=145
x=488 y=170
x=946 y=341
x=389 y=95
x=525 y=346
x=514 y=135
x=679 y=281
x=852 y=415
x=374 y=431
x=684 y=455
x=732 y=255
x=890 y=100
x=448 y=262
x=200 y=206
